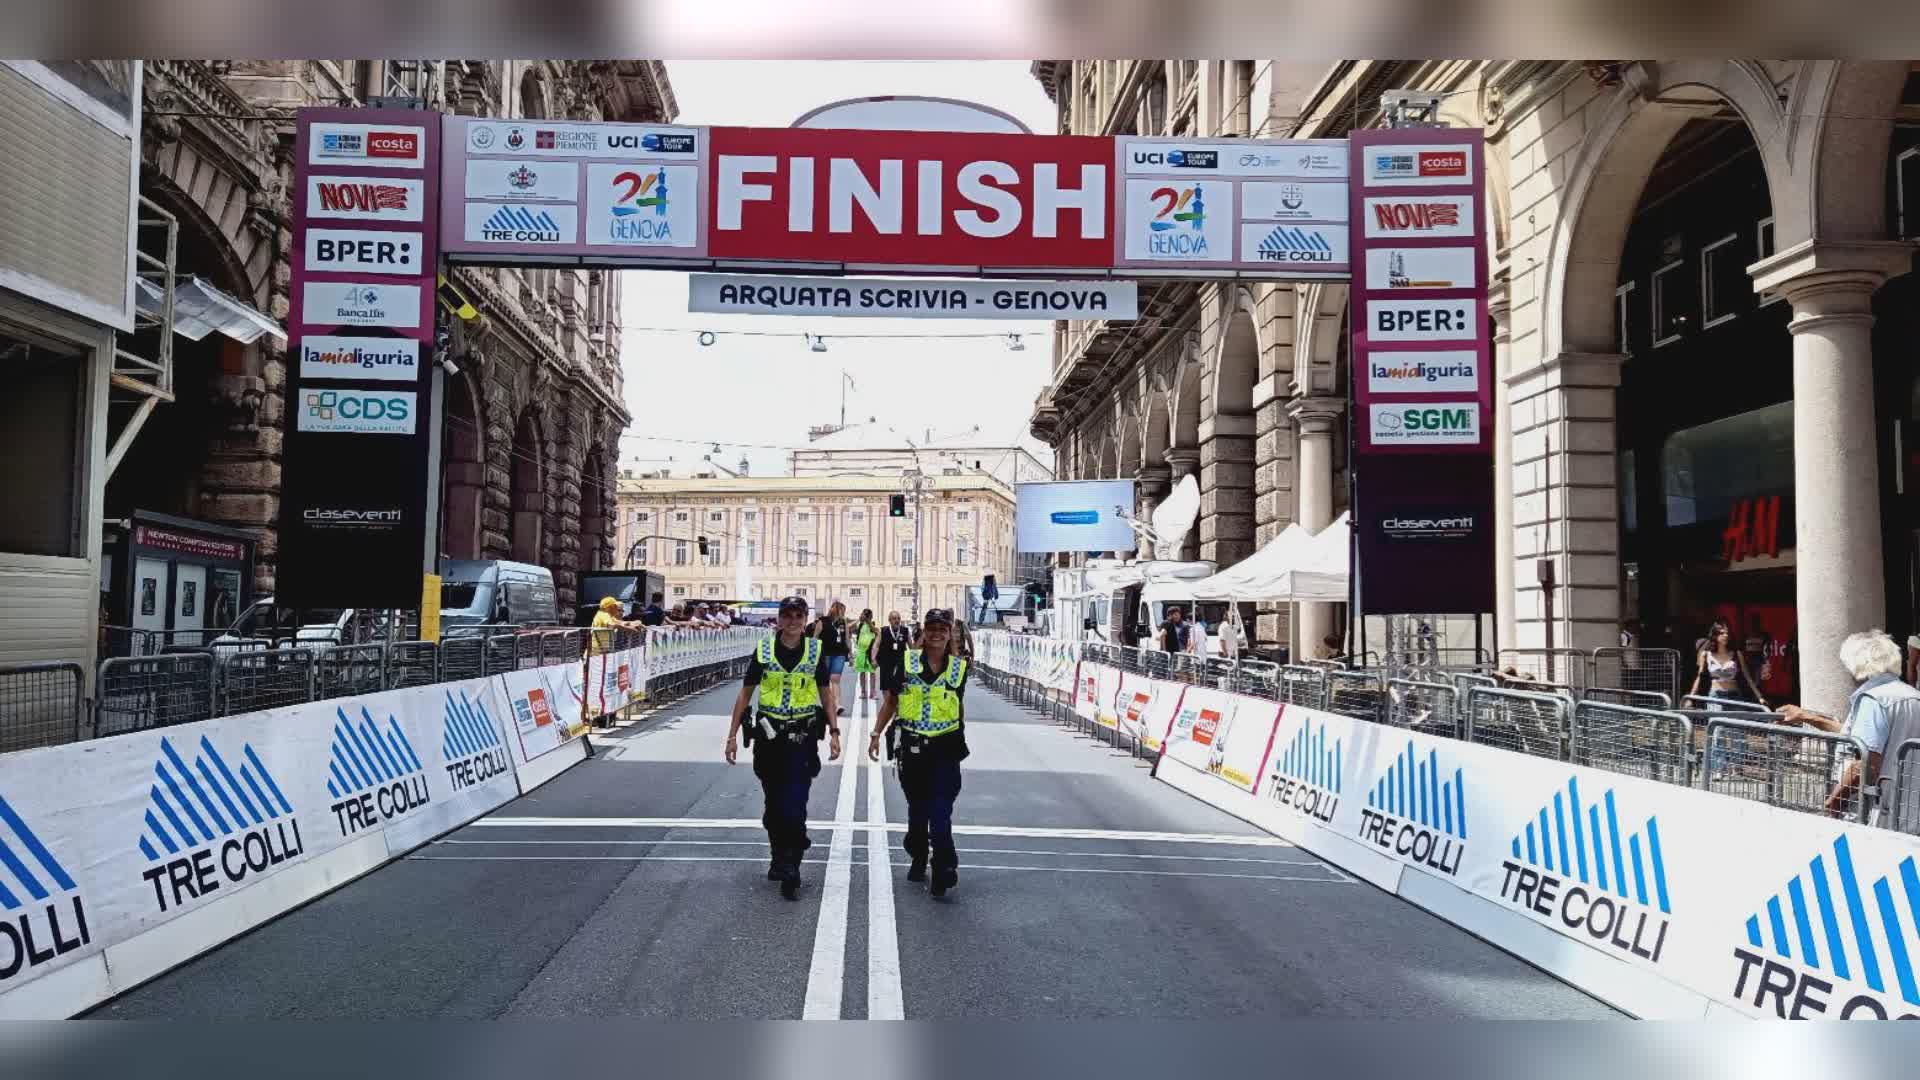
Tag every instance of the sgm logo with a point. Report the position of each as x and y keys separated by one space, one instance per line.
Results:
x=359 y=251
x=371 y=358
x=1449 y=423
x=362 y=412
x=1178 y=159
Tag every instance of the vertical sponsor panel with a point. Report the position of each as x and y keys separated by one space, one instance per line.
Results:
x=365 y=256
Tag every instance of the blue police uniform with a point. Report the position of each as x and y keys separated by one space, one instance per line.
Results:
x=932 y=743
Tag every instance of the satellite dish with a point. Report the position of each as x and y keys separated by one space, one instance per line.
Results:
x=1174 y=517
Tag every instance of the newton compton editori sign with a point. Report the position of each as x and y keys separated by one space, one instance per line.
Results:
x=754 y=294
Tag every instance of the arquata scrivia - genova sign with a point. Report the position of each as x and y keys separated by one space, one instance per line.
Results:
x=814 y=221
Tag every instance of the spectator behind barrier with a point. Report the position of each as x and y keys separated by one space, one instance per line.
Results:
x=1883 y=711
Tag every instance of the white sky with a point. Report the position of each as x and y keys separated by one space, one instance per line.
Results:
x=770 y=390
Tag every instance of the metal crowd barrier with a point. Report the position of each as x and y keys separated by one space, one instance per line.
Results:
x=1359 y=694
x=503 y=653
x=1900 y=803
x=140 y=692
x=1635 y=668
x=1464 y=681
x=255 y=679
x=1706 y=703
x=463 y=657
x=1431 y=707
x=412 y=663
x=1640 y=699
x=350 y=670
x=1563 y=666
x=1655 y=744
x=1517 y=720
x=1302 y=684
x=1791 y=767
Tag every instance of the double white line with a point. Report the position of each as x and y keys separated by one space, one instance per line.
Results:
x=826 y=978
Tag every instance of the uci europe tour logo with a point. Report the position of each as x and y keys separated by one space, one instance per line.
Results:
x=212 y=824
x=1592 y=878
x=1418 y=815
x=1835 y=937
x=1306 y=776
x=471 y=747
x=373 y=774
x=41 y=914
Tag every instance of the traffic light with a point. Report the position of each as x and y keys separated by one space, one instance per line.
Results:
x=703 y=545
x=896 y=506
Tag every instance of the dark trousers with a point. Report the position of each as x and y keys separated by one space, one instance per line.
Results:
x=931 y=780
x=786 y=771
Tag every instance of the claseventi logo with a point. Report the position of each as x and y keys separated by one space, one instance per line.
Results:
x=1427 y=526
x=1306 y=775
x=1592 y=880
x=42 y=916
x=213 y=824
x=1179 y=159
x=1830 y=920
x=373 y=775
x=348 y=517
x=1417 y=813
x=471 y=746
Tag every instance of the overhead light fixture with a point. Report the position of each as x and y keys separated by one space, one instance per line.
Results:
x=819 y=343
x=1015 y=344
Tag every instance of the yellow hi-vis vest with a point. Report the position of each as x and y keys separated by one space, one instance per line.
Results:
x=789 y=695
x=931 y=708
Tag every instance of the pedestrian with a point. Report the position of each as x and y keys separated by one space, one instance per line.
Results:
x=606 y=626
x=1230 y=635
x=794 y=709
x=831 y=629
x=1721 y=668
x=1197 y=637
x=1882 y=711
x=890 y=650
x=932 y=743
x=1173 y=632
x=865 y=636
x=1328 y=649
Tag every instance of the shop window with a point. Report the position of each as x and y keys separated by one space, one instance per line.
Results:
x=1709 y=472
x=1723 y=281
x=643 y=517
x=713 y=590
x=41 y=421
x=679 y=591
x=640 y=550
x=1670 y=296
x=1763 y=247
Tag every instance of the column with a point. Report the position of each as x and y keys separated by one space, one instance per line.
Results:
x=1226 y=488
x=1839 y=578
x=1500 y=310
x=1318 y=421
x=1151 y=485
x=1182 y=462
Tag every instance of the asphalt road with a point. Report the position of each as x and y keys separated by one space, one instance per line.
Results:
x=634 y=885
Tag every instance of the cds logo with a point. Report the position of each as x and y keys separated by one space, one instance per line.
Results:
x=1440 y=163
x=393 y=144
x=361 y=412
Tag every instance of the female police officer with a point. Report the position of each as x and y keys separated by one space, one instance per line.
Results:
x=796 y=706
x=933 y=742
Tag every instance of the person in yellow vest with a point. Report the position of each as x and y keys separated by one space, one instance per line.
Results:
x=927 y=707
x=788 y=689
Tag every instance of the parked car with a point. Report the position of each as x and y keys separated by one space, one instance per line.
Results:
x=318 y=628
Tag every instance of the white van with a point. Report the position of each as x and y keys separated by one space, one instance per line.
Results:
x=476 y=592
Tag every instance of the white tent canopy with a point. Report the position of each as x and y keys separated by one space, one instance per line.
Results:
x=1294 y=566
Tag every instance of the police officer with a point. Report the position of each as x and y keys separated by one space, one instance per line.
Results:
x=932 y=743
x=796 y=706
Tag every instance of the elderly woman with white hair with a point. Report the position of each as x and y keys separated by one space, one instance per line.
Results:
x=1882 y=712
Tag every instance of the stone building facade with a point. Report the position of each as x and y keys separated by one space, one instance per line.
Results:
x=532 y=420
x=1783 y=285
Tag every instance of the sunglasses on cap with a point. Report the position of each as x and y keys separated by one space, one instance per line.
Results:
x=937 y=615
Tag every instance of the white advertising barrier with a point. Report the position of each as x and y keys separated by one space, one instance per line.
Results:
x=1133 y=705
x=673 y=651
x=1664 y=901
x=1106 y=693
x=1086 y=691
x=1047 y=661
x=125 y=857
x=1221 y=735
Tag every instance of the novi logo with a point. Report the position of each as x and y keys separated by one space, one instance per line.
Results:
x=515 y=224
x=239 y=813
x=1074 y=517
x=31 y=930
x=471 y=745
x=1415 y=216
x=366 y=198
x=1791 y=941
x=1285 y=244
x=1540 y=877
x=375 y=776
x=1416 y=814
x=1306 y=776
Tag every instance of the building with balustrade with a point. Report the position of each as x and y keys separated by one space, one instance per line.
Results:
x=1707 y=344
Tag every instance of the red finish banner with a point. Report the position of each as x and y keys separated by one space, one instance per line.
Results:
x=933 y=199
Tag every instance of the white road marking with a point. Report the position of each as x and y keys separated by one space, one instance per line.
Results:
x=1035 y=832
x=884 y=999
x=876 y=840
x=605 y=858
x=1337 y=879
x=827 y=976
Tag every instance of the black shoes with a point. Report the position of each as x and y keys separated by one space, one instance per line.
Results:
x=943 y=879
x=790 y=886
x=773 y=870
x=918 y=871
